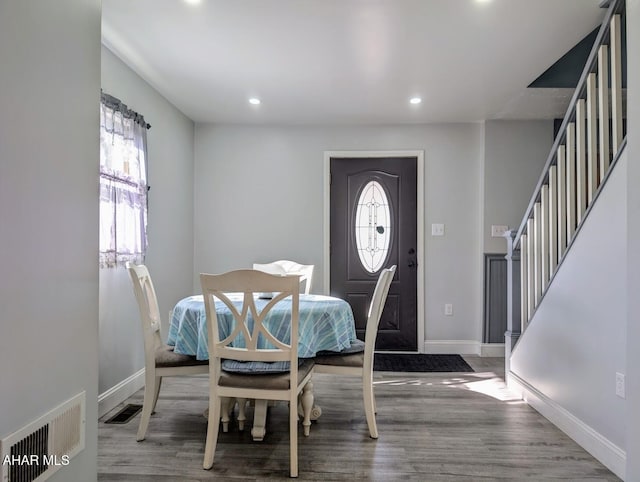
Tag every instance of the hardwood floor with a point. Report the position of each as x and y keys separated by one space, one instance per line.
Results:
x=433 y=427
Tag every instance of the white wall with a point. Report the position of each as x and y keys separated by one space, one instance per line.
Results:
x=515 y=153
x=259 y=196
x=576 y=340
x=50 y=78
x=170 y=224
x=633 y=240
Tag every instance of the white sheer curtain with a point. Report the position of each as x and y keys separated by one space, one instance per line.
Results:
x=123 y=184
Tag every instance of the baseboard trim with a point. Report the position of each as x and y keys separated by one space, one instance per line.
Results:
x=460 y=347
x=492 y=349
x=117 y=394
x=608 y=453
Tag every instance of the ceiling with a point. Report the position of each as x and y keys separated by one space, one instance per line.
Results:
x=350 y=61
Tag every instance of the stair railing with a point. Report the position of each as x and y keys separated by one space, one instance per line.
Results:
x=587 y=146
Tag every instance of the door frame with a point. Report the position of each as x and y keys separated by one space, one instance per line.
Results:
x=419 y=155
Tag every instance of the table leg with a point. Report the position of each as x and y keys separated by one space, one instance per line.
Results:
x=259 y=420
x=315 y=412
x=306 y=401
x=242 y=417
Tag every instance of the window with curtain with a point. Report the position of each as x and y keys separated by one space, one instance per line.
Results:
x=123 y=184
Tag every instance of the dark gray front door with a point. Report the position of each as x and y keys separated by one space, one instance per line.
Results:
x=373 y=203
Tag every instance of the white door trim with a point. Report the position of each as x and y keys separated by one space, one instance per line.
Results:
x=419 y=155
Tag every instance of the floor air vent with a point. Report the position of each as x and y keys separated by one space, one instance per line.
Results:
x=36 y=451
x=125 y=414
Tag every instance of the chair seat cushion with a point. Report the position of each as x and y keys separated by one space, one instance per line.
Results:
x=340 y=360
x=166 y=357
x=265 y=381
x=237 y=366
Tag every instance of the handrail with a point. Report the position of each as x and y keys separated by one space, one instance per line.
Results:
x=616 y=6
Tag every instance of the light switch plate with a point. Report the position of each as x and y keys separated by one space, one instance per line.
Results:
x=498 y=230
x=437 y=230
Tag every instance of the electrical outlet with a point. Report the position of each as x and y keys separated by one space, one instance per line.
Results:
x=620 y=385
x=448 y=309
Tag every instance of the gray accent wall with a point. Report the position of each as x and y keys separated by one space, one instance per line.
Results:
x=170 y=224
x=259 y=194
x=50 y=91
x=495 y=298
x=514 y=154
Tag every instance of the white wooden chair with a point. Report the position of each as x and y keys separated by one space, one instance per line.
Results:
x=284 y=267
x=249 y=323
x=159 y=358
x=360 y=364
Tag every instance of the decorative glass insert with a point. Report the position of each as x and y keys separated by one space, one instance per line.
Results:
x=373 y=226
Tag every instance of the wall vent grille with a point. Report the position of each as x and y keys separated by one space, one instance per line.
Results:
x=39 y=449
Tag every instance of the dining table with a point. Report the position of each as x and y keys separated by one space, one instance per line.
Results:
x=325 y=323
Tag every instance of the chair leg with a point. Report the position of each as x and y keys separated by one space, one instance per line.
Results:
x=213 y=426
x=307 y=404
x=369 y=404
x=155 y=397
x=293 y=438
x=150 y=392
x=242 y=414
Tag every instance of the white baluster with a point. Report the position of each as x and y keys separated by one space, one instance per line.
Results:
x=592 y=139
x=544 y=236
x=603 y=110
x=581 y=166
x=616 y=83
x=524 y=282
x=553 y=214
x=537 y=253
x=531 y=258
x=561 y=198
x=570 y=175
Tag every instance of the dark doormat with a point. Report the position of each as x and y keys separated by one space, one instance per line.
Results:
x=392 y=362
x=125 y=414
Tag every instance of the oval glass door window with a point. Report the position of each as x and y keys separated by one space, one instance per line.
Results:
x=373 y=226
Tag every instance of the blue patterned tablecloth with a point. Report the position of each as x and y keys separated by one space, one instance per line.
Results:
x=326 y=323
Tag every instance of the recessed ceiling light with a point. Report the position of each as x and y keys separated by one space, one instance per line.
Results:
x=192 y=2
x=415 y=100
x=254 y=101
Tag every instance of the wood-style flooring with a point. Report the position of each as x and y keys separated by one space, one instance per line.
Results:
x=433 y=427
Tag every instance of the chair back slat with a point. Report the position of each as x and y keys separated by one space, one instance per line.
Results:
x=285 y=267
x=375 y=309
x=251 y=338
x=147 y=305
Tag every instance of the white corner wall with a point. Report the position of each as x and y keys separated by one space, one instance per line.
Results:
x=514 y=154
x=576 y=342
x=50 y=87
x=170 y=231
x=259 y=195
x=633 y=242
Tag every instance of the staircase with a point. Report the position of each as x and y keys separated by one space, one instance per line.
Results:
x=566 y=309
